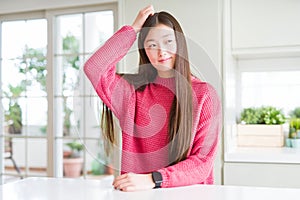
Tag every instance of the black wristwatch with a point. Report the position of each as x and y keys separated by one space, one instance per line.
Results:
x=157 y=179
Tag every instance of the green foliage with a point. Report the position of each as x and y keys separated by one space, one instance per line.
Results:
x=71 y=46
x=263 y=115
x=294 y=127
x=295 y=113
x=97 y=167
x=251 y=116
x=76 y=147
x=13 y=116
x=272 y=115
x=33 y=65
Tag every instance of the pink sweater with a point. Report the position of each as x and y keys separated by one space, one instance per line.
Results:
x=144 y=117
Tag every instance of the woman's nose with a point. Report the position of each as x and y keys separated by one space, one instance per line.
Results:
x=162 y=52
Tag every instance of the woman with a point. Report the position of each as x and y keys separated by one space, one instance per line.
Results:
x=170 y=120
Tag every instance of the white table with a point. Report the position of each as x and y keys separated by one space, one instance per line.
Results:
x=73 y=189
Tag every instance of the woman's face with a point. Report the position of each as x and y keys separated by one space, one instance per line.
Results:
x=160 y=46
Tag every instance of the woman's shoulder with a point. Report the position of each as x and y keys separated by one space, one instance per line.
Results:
x=202 y=88
x=198 y=84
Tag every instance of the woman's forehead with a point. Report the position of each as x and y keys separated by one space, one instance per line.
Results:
x=160 y=31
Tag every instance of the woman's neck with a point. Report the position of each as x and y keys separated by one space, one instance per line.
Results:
x=166 y=74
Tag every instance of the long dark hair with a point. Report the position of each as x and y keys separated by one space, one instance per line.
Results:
x=180 y=121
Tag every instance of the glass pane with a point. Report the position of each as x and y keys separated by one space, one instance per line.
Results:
x=270 y=88
x=36 y=118
x=68 y=123
x=73 y=158
x=99 y=26
x=37 y=157
x=13 y=33
x=14 y=115
x=93 y=111
x=68 y=76
x=97 y=164
x=69 y=34
x=25 y=61
x=15 y=161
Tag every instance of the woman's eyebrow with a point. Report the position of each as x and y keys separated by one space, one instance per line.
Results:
x=164 y=36
x=167 y=35
x=150 y=40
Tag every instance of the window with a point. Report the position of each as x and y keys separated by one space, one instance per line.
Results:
x=46 y=99
x=24 y=97
x=76 y=104
x=275 y=88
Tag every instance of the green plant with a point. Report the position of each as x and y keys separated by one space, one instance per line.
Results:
x=13 y=116
x=295 y=113
x=262 y=115
x=294 y=128
x=272 y=115
x=251 y=116
x=76 y=148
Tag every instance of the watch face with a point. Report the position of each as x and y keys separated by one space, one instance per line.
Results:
x=157 y=179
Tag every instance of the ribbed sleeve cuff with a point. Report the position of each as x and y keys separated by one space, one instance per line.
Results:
x=165 y=178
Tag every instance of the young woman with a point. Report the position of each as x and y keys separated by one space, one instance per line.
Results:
x=170 y=120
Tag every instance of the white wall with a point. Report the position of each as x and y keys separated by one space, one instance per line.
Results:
x=11 y=6
x=265 y=23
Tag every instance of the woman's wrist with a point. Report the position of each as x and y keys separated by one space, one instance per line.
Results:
x=151 y=180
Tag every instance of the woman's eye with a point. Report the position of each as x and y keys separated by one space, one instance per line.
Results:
x=169 y=41
x=151 y=45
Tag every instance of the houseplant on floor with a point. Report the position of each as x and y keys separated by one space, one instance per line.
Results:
x=261 y=127
x=73 y=159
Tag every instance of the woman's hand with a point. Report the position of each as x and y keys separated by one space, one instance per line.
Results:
x=133 y=182
x=141 y=18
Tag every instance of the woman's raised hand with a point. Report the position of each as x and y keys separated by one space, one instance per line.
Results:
x=141 y=17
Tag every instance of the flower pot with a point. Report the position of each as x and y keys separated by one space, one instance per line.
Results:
x=72 y=167
x=295 y=143
x=288 y=142
x=260 y=135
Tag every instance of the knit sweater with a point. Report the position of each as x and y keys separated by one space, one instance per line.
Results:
x=144 y=117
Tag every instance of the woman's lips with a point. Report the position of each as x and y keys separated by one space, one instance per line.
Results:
x=164 y=60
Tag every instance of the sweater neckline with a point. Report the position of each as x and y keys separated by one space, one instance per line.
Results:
x=165 y=81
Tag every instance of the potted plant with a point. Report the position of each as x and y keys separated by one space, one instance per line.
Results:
x=261 y=127
x=293 y=139
x=73 y=159
x=13 y=116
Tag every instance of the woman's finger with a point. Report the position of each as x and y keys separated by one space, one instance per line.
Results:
x=141 y=17
x=118 y=178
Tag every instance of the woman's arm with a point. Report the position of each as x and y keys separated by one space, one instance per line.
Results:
x=101 y=71
x=100 y=67
x=198 y=166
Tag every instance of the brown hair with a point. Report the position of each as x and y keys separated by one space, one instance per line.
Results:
x=180 y=121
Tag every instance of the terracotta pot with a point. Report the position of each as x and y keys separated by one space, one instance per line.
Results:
x=73 y=167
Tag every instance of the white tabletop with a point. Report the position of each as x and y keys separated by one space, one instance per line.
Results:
x=73 y=189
